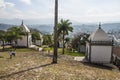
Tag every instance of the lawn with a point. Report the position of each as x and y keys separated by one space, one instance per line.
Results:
x=66 y=52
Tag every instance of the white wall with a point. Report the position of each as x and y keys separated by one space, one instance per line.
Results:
x=29 y=40
x=22 y=42
x=38 y=42
x=101 y=54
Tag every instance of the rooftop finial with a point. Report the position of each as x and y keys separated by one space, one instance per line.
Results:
x=22 y=22
x=99 y=25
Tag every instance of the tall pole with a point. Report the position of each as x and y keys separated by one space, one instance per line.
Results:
x=55 y=32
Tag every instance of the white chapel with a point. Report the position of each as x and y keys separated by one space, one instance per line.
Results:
x=99 y=47
x=26 y=40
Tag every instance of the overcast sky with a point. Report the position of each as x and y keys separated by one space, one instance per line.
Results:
x=74 y=10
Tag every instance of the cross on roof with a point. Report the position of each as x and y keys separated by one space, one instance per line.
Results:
x=99 y=25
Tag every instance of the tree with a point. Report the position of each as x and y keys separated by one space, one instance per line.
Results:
x=79 y=39
x=67 y=39
x=64 y=27
x=15 y=33
x=35 y=34
x=3 y=38
x=47 y=40
x=55 y=32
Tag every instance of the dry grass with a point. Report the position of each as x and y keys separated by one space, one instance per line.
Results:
x=31 y=65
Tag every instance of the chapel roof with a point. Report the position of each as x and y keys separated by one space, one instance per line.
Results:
x=25 y=28
x=99 y=35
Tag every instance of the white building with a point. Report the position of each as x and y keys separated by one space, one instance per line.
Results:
x=26 y=40
x=99 y=47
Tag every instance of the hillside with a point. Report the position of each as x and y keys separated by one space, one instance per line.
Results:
x=4 y=26
x=48 y=29
x=32 y=65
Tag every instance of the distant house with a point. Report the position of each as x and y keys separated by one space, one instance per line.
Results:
x=39 y=42
x=99 y=47
x=26 y=40
x=116 y=38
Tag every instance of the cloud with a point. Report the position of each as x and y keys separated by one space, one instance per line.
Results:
x=4 y=4
x=9 y=4
x=28 y=2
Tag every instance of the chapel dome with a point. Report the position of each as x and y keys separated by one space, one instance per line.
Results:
x=99 y=35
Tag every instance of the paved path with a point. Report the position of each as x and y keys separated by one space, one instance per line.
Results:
x=82 y=59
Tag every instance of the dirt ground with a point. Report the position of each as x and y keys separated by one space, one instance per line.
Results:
x=37 y=66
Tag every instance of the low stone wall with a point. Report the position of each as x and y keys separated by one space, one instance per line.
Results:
x=36 y=48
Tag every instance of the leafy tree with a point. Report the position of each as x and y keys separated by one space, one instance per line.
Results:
x=47 y=40
x=79 y=39
x=35 y=34
x=67 y=39
x=64 y=27
x=14 y=33
x=3 y=38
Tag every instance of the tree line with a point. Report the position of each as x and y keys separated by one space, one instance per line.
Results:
x=12 y=34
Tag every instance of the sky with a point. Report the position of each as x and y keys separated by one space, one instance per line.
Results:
x=77 y=11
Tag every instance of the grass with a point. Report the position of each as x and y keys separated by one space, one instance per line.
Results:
x=8 y=48
x=75 y=53
x=66 y=52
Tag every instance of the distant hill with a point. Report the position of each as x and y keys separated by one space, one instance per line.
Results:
x=48 y=29
x=4 y=26
x=92 y=27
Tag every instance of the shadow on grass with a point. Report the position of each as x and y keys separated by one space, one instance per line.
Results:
x=22 y=71
x=101 y=66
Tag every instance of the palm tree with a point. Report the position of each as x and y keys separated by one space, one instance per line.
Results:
x=3 y=38
x=55 y=32
x=63 y=29
x=15 y=33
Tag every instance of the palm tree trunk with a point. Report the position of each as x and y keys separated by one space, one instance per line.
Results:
x=55 y=32
x=63 y=44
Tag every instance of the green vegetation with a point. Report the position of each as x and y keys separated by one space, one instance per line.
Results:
x=78 y=40
x=64 y=27
x=3 y=37
x=75 y=53
x=47 y=40
x=67 y=52
x=36 y=35
x=9 y=48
